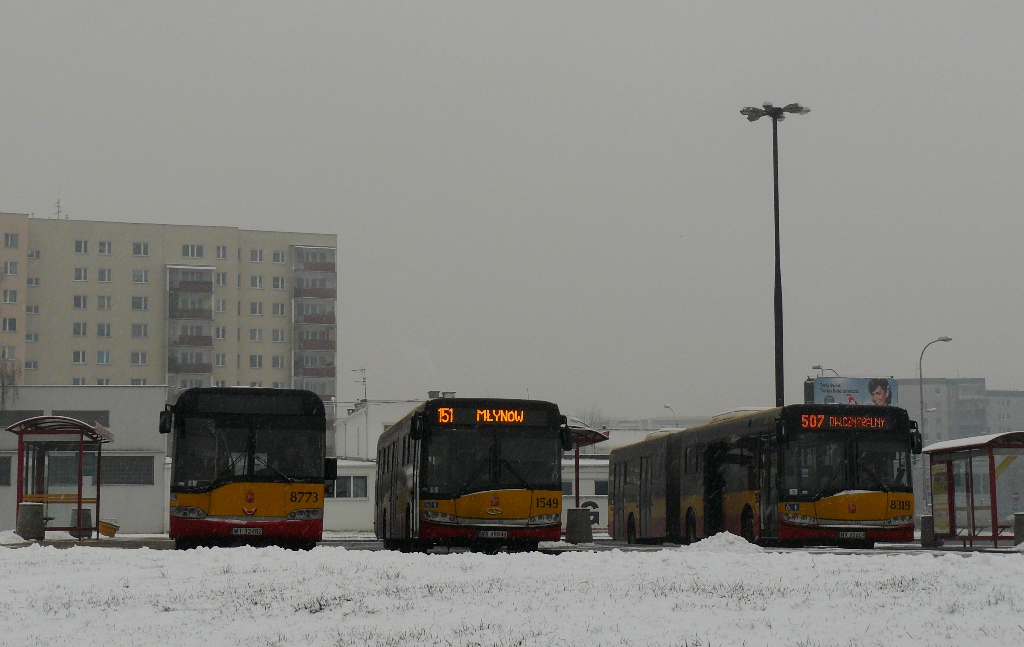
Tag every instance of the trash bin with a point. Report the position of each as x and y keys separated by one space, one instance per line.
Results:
x=1018 y=528
x=577 y=526
x=31 y=524
x=86 y=524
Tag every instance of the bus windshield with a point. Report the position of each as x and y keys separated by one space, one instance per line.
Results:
x=823 y=464
x=215 y=451
x=459 y=461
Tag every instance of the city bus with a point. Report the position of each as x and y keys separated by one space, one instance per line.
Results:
x=799 y=474
x=248 y=466
x=476 y=472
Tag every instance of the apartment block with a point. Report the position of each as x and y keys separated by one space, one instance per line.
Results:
x=98 y=303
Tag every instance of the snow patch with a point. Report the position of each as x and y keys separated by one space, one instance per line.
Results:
x=724 y=542
x=10 y=537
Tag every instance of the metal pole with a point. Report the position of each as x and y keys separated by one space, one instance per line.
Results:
x=577 y=486
x=779 y=378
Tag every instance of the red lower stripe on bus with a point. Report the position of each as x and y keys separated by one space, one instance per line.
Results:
x=789 y=532
x=308 y=530
x=533 y=533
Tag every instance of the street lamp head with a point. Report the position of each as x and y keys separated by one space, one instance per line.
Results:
x=817 y=367
x=945 y=339
x=796 y=108
x=753 y=114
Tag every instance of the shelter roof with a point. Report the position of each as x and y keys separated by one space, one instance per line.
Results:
x=60 y=425
x=976 y=442
x=583 y=434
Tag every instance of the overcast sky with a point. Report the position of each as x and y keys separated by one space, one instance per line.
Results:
x=562 y=199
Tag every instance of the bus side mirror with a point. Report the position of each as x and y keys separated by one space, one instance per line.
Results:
x=916 y=442
x=330 y=469
x=781 y=437
x=565 y=435
x=416 y=427
x=166 y=421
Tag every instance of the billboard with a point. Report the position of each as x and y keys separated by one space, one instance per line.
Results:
x=855 y=390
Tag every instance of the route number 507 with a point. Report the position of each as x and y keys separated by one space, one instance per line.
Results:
x=812 y=421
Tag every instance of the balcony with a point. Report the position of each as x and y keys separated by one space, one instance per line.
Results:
x=317 y=267
x=192 y=340
x=317 y=344
x=329 y=320
x=316 y=293
x=174 y=366
x=315 y=371
x=191 y=286
x=175 y=312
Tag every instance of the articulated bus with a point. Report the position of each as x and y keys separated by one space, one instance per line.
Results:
x=248 y=466
x=801 y=474
x=472 y=472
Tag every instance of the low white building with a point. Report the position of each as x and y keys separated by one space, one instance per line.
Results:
x=135 y=473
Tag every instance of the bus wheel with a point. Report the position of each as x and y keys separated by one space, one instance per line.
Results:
x=185 y=544
x=747 y=524
x=631 y=530
x=691 y=528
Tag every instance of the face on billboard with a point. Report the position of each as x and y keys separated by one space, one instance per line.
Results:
x=855 y=390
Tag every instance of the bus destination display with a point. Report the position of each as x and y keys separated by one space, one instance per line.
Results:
x=482 y=415
x=829 y=421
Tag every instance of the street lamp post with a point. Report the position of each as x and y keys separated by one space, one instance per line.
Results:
x=776 y=115
x=669 y=407
x=925 y=484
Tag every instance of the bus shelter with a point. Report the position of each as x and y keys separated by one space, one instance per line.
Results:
x=55 y=455
x=976 y=486
x=583 y=435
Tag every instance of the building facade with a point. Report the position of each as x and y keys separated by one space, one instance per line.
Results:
x=106 y=303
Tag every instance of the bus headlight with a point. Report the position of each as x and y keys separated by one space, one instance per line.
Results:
x=306 y=514
x=900 y=521
x=545 y=518
x=798 y=518
x=184 y=512
x=439 y=517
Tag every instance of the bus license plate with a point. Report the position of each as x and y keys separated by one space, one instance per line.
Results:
x=247 y=531
x=852 y=534
x=492 y=534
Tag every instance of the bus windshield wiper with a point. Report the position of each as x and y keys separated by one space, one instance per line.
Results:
x=227 y=470
x=275 y=470
x=835 y=473
x=872 y=475
x=465 y=486
x=526 y=484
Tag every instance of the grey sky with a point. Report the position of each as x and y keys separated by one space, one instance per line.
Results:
x=563 y=199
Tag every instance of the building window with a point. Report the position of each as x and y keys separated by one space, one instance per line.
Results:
x=220 y=332
x=255 y=334
x=10 y=324
x=566 y=488
x=140 y=276
x=140 y=358
x=103 y=381
x=11 y=241
x=10 y=296
x=278 y=282
x=103 y=357
x=32 y=336
x=135 y=381
x=220 y=278
x=106 y=247
x=32 y=366
x=32 y=281
x=127 y=470
x=81 y=302
x=256 y=308
x=78 y=357
x=601 y=488
x=277 y=385
x=9 y=352
x=256 y=282
x=255 y=361
x=256 y=384
x=32 y=310
x=350 y=487
x=103 y=303
x=220 y=383
x=106 y=275
x=81 y=247
x=11 y=268
x=220 y=305
x=140 y=331
x=192 y=251
x=220 y=359
x=103 y=330
x=34 y=254
x=278 y=361
x=222 y=251
x=79 y=329
x=279 y=335
x=81 y=274
x=5 y=471
x=140 y=249
x=256 y=255
x=938 y=391
x=191 y=357
x=140 y=303
x=279 y=257
x=278 y=309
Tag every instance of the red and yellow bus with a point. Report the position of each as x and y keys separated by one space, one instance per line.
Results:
x=482 y=473
x=806 y=474
x=248 y=466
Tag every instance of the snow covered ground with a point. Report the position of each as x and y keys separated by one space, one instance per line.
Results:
x=721 y=591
